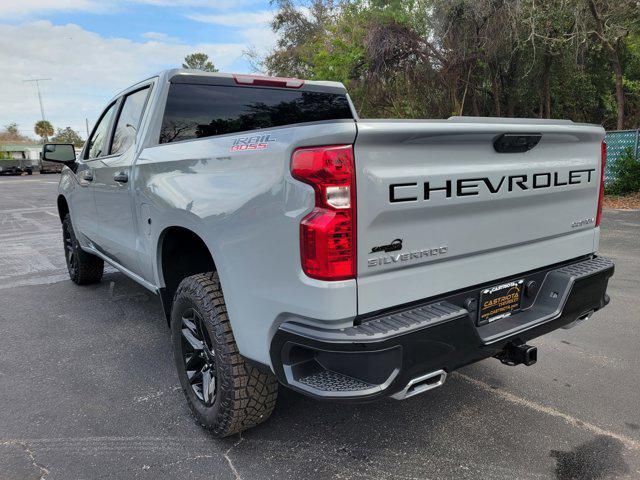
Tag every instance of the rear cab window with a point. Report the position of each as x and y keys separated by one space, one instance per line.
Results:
x=200 y=111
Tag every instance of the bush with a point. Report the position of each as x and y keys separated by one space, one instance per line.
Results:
x=626 y=174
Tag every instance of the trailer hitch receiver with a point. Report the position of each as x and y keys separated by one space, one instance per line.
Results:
x=517 y=353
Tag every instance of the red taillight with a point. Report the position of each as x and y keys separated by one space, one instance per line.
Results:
x=603 y=164
x=258 y=81
x=328 y=233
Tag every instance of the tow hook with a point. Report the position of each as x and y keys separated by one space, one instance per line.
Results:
x=515 y=354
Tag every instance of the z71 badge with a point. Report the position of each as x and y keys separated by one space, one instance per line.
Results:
x=254 y=142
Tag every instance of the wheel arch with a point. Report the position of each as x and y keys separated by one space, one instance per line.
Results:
x=63 y=207
x=181 y=252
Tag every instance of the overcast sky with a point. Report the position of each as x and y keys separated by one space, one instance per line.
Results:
x=92 y=48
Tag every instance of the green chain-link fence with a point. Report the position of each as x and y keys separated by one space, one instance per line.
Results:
x=617 y=142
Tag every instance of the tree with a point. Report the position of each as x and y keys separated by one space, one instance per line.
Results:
x=43 y=129
x=625 y=174
x=11 y=134
x=67 y=135
x=435 y=58
x=11 y=128
x=613 y=21
x=199 y=61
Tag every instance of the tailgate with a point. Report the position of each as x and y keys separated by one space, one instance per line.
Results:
x=440 y=209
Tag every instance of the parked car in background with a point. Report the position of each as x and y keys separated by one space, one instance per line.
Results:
x=17 y=159
x=50 y=167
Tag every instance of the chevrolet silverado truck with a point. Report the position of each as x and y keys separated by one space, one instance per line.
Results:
x=291 y=242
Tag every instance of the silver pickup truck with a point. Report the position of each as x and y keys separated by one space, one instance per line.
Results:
x=292 y=242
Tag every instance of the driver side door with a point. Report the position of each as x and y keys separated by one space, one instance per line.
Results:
x=83 y=205
x=113 y=183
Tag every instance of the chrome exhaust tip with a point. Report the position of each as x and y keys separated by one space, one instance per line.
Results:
x=585 y=316
x=421 y=384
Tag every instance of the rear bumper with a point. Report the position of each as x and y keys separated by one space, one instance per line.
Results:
x=383 y=353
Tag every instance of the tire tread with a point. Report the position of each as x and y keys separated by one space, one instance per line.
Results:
x=248 y=394
x=90 y=268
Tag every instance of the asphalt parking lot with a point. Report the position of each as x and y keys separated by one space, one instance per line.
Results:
x=88 y=388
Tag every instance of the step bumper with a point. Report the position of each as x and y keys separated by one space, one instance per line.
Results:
x=384 y=353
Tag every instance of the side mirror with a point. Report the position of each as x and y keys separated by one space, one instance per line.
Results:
x=59 y=152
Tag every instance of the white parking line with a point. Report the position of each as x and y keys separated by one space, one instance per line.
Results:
x=2 y=182
x=630 y=443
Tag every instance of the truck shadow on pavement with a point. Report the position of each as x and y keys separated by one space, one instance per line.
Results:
x=458 y=430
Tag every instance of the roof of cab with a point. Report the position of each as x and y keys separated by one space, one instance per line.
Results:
x=183 y=75
x=179 y=75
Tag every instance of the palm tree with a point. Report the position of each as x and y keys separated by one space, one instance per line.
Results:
x=44 y=129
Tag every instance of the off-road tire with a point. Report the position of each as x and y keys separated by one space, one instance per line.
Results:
x=83 y=267
x=245 y=395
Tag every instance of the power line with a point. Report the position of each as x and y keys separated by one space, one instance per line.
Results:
x=74 y=127
x=37 y=82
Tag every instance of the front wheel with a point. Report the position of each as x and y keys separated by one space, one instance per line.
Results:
x=84 y=268
x=225 y=393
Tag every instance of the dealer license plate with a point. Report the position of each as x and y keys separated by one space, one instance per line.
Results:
x=500 y=301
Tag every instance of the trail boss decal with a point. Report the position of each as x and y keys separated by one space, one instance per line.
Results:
x=254 y=142
x=468 y=187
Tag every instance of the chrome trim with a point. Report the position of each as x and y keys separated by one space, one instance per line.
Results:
x=406 y=392
x=582 y=318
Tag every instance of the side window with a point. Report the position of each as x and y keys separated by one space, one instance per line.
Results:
x=98 y=142
x=129 y=120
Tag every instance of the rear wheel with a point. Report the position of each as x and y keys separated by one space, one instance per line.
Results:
x=84 y=268
x=225 y=393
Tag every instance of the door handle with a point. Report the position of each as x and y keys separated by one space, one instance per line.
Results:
x=88 y=176
x=121 y=177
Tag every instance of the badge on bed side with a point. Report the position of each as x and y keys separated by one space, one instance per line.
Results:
x=254 y=142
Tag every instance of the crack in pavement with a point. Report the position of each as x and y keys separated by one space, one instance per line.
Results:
x=230 y=462
x=178 y=462
x=628 y=442
x=32 y=458
x=155 y=395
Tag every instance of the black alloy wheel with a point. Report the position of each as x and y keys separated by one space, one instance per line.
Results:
x=198 y=357
x=70 y=251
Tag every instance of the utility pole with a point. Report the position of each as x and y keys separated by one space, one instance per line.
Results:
x=37 y=82
x=86 y=122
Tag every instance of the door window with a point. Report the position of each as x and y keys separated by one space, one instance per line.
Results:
x=98 y=142
x=129 y=121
